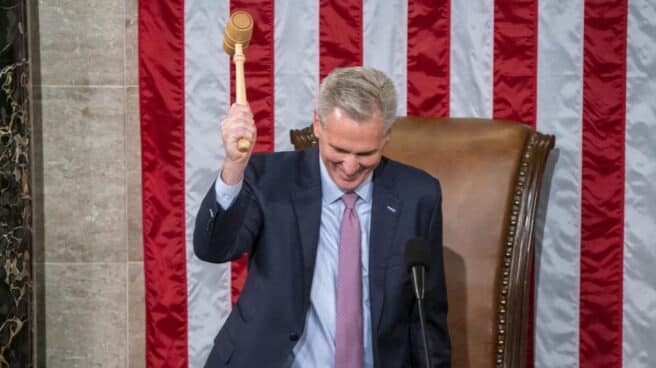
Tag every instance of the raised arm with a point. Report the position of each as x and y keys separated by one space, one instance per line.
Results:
x=226 y=226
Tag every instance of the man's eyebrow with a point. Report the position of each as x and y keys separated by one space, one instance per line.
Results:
x=336 y=148
x=346 y=151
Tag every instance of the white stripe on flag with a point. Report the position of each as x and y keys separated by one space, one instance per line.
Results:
x=472 y=32
x=559 y=102
x=560 y=44
x=207 y=98
x=296 y=50
x=385 y=29
x=639 y=312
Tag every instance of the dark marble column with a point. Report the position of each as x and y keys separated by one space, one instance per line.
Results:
x=15 y=188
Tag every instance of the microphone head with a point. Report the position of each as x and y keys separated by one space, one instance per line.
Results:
x=417 y=253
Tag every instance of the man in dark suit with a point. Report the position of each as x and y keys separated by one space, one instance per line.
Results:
x=325 y=230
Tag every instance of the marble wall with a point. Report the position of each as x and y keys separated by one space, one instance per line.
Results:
x=87 y=247
x=16 y=320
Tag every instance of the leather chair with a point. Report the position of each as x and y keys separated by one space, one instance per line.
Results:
x=491 y=173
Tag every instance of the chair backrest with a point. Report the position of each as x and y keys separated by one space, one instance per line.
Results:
x=491 y=173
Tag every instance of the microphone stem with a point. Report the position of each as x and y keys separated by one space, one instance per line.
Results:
x=418 y=280
x=422 y=323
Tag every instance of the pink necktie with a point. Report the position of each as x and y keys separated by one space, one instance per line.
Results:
x=349 y=349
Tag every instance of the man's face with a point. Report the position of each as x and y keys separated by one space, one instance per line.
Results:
x=350 y=150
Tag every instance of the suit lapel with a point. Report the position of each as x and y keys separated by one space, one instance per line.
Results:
x=306 y=199
x=385 y=212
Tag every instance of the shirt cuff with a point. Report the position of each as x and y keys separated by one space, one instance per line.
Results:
x=226 y=194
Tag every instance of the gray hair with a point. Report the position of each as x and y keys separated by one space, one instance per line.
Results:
x=359 y=92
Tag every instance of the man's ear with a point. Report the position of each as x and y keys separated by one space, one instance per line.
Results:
x=316 y=127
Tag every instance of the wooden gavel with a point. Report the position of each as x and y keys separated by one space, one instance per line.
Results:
x=237 y=35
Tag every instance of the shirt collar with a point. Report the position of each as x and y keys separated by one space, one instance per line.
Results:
x=332 y=193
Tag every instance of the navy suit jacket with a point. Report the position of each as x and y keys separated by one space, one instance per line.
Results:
x=276 y=217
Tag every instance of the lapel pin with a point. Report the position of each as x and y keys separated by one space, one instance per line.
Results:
x=391 y=209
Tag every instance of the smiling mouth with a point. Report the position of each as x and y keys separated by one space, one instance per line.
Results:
x=351 y=176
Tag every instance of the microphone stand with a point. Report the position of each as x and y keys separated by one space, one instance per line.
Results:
x=418 y=279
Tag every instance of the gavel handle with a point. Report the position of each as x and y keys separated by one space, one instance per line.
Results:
x=243 y=145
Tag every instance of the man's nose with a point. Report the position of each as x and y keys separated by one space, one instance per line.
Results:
x=350 y=165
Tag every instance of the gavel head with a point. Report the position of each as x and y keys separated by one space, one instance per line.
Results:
x=238 y=30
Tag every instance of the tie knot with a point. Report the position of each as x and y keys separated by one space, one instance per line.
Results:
x=349 y=200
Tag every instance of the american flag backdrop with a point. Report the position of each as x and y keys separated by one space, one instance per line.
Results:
x=582 y=70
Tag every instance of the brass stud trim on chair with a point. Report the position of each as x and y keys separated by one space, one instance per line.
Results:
x=509 y=329
x=519 y=190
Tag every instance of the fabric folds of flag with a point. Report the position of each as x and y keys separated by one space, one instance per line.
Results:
x=582 y=70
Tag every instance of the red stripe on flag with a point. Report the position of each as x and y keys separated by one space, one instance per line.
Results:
x=161 y=88
x=515 y=84
x=429 y=47
x=259 y=69
x=602 y=187
x=340 y=34
x=515 y=60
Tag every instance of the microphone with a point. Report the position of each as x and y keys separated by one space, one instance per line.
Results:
x=417 y=254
